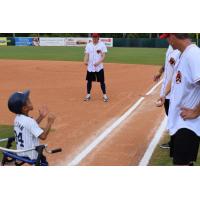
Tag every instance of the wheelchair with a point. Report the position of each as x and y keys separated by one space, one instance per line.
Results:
x=10 y=155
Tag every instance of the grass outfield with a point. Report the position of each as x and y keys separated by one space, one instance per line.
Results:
x=161 y=157
x=151 y=56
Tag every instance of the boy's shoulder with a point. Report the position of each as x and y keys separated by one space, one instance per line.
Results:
x=24 y=119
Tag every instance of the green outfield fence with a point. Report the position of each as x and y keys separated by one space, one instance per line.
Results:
x=128 y=42
x=143 y=42
x=140 y=42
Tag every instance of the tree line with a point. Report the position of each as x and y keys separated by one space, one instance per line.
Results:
x=113 y=35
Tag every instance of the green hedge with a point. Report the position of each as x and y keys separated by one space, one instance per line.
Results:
x=141 y=42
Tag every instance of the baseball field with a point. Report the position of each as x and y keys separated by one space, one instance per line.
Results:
x=95 y=132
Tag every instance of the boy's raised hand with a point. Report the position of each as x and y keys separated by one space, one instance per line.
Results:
x=43 y=111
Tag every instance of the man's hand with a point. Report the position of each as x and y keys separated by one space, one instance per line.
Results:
x=187 y=113
x=160 y=101
x=156 y=77
x=159 y=74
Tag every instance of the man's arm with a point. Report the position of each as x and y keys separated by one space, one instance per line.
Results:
x=161 y=100
x=168 y=88
x=159 y=74
x=86 y=59
x=187 y=113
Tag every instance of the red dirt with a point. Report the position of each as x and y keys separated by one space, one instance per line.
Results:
x=61 y=86
x=127 y=144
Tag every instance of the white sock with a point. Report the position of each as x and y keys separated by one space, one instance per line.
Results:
x=105 y=96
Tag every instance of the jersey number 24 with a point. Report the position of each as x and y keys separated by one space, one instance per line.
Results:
x=19 y=139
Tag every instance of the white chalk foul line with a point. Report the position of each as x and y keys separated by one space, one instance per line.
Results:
x=153 y=88
x=147 y=155
x=106 y=132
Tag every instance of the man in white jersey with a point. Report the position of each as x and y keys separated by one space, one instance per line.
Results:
x=26 y=129
x=184 y=111
x=171 y=59
x=95 y=52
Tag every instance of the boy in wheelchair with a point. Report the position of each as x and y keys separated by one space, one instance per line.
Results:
x=27 y=131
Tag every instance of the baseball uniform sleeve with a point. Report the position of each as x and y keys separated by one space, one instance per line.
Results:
x=34 y=128
x=194 y=65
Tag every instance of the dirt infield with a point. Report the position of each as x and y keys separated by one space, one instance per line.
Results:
x=61 y=86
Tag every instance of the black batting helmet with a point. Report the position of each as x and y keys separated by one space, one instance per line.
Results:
x=17 y=100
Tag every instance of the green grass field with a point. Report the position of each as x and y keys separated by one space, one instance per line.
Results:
x=5 y=131
x=161 y=157
x=148 y=56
